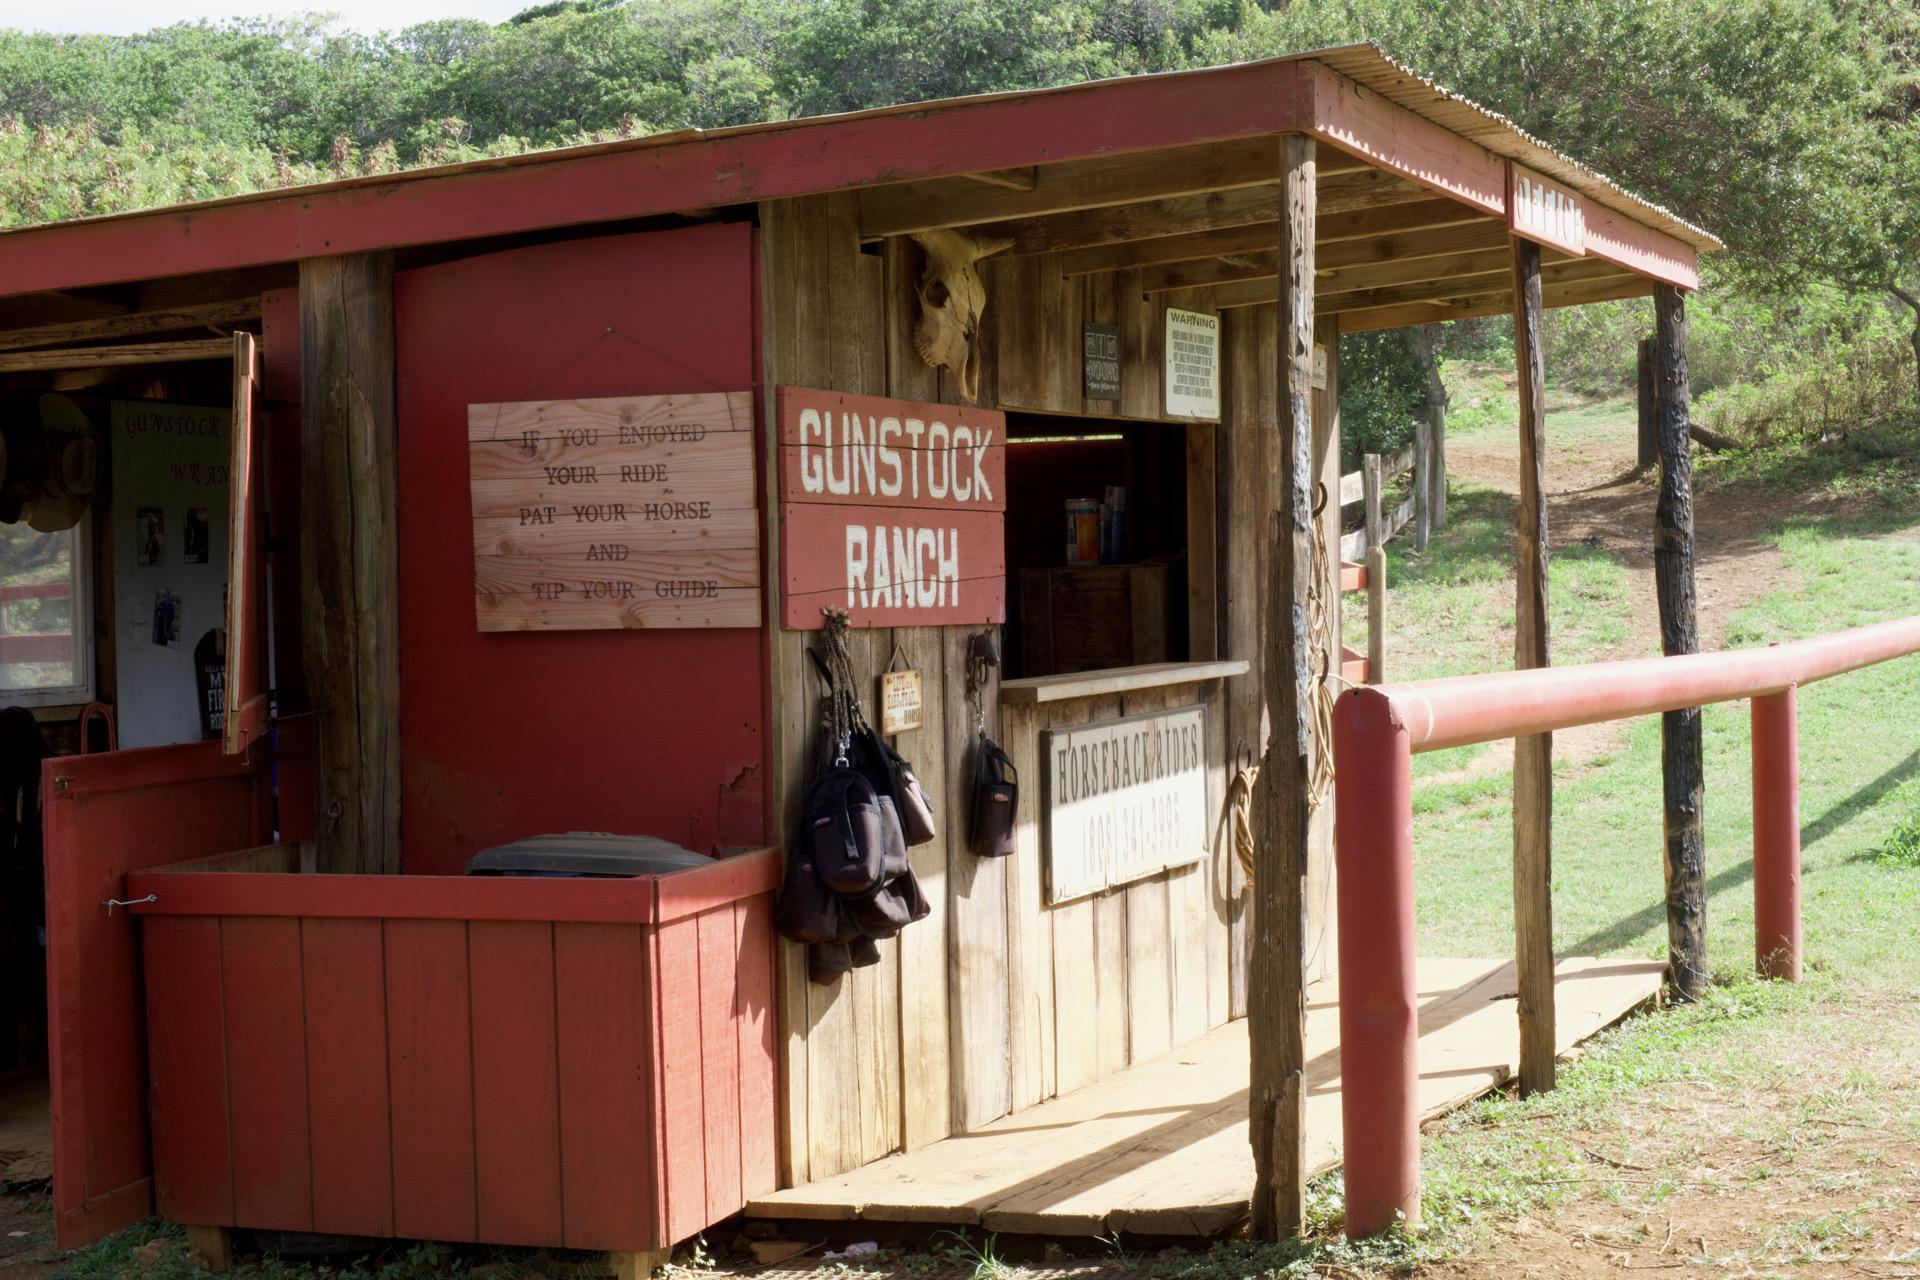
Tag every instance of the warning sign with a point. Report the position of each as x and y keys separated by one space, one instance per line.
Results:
x=1193 y=364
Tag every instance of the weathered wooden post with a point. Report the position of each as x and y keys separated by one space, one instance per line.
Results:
x=1276 y=1008
x=1532 y=756
x=1680 y=754
x=1422 y=494
x=1649 y=441
x=1370 y=482
x=348 y=554
x=1376 y=615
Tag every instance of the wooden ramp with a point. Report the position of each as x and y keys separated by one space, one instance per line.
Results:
x=1161 y=1148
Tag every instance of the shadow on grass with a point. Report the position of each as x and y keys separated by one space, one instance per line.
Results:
x=1860 y=801
x=1625 y=930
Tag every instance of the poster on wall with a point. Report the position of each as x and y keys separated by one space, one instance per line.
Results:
x=169 y=470
x=149 y=537
x=196 y=536
x=1122 y=800
x=633 y=511
x=892 y=511
x=1193 y=364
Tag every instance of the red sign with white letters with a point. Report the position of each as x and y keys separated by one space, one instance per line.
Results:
x=892 y=511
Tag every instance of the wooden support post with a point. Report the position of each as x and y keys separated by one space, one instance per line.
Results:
x=1422 y=491
x=1649 y=441
x=1277 y=1011
x=348 y=552
x=1370 y=486
x=215 y=1244
x=1680 y=747
x=1376 y=615
x=1532 y=756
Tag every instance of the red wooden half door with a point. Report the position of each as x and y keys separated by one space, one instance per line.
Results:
x=106 y=815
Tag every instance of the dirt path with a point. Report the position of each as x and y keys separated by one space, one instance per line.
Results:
x=1597 y=498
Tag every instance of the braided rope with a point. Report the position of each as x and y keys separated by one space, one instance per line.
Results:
x=1321 y=645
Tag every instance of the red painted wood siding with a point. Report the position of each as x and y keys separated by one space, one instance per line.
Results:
x=510 y=734
x=382 y=1069
x=108 y=815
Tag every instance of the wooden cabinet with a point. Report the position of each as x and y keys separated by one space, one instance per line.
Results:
x=1093 y=617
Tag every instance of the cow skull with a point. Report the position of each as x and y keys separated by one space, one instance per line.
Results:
x=952 y=299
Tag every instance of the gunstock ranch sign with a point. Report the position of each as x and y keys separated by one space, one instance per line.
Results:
x=891 y=511
x=1123 y=799
x=635 y=511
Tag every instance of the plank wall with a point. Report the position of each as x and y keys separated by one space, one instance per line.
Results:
x=996 y=1002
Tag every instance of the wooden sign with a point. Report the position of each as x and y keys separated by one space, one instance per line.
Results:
x=1319 y=366
x=892 y=511
x=635 y=511
x=1122 y=800
x=1543 y=210
x=1100 y=361
x=900 y=701
x=1193 y=364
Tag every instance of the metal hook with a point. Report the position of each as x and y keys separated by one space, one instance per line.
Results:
x=111 y=903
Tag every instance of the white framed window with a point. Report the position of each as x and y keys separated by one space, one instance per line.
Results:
x=46 y=616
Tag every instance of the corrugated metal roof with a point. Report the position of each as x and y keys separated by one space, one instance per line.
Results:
x=1365 y=64
x=1369 y=66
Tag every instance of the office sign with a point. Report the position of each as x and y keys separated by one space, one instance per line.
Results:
x=1100 y=361
x=1122 y=800
x=1545 y=211
x=890 y=510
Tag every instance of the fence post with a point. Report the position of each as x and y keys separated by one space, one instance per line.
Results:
x=1379 y=1001
x=1776 y=835
x=1370 y=485
x=1422 y=495
x=1376 y=615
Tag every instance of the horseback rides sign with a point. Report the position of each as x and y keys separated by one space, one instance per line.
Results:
x=636 y=511
x=1122 y=800
x=891 y=511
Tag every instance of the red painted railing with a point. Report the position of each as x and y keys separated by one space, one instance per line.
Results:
x=1376 y=732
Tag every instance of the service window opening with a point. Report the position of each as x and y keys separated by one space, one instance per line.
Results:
x=1096 y=533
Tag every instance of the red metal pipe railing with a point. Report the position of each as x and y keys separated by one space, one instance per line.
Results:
x=1376 y=732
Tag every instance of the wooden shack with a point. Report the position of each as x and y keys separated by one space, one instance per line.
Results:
x=542 y=472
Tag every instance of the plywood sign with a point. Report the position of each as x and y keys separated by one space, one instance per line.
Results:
x=1123 y=799
x=1545 y=211
x=635 y=511
x=890 y=510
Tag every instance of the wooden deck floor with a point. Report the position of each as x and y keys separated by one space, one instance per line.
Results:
x=1161 y=1148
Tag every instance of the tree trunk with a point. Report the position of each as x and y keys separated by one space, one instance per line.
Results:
x=1424 y=342
x=1913 y=303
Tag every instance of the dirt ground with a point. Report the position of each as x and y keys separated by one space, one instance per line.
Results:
x=1598 y=499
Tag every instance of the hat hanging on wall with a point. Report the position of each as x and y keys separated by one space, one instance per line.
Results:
x=72 y=452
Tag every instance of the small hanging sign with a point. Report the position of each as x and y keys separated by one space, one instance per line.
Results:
x=900 y=701
x=1192 y=364
x=1319 y=366
x=1100 y=361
